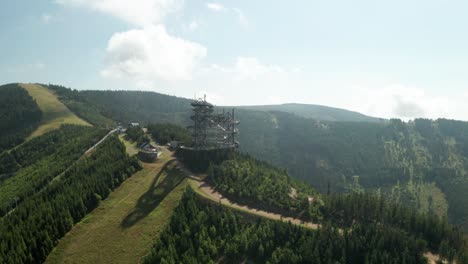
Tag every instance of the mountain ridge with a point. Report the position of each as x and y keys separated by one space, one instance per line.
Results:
x=315 y=111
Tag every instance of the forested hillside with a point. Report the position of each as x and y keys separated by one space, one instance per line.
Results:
x=318 y=112
x=47 y=185
x=125 y=106
x=19 y=115
x=203 y=232
x=249 y=181
x=30 y=167
x=30 y=232
x=164 y=133
x=420 y=164
x=401 y=160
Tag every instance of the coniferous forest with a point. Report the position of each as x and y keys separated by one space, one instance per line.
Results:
x=29 y=167
x=19 y=115
x=30 y=231
x=203 y=232
x=243 y=178
x=136 y=134
x=421 y=163
x=166 y=132
x=404 y=183
x=186 y=132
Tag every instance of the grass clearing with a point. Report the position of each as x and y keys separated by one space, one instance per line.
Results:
x=130 y=146
x=54 y=112
x=124 y=227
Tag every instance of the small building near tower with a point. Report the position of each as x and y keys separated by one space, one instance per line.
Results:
x=148 y=152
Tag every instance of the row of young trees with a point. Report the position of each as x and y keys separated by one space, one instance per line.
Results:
x=77 y=103
x=345 y=210
x=125 y=106
x=45 y=145
x=36 y=162
x=243 y=178
x=136 y=134
x=19 y=115
x=262 y=185
x=203 y=232
x=166 y=132
x=30 y=232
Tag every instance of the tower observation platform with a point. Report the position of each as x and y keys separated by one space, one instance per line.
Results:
x=212 y=130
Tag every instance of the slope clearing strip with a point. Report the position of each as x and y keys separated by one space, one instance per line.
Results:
x=54 y=112
x=123 y=228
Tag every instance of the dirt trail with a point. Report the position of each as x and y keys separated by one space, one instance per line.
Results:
x=207 y=191
x=198 y=183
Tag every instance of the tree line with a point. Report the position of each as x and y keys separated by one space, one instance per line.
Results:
x=136 y=134
x=30 y=232
x=204 y=232
x=163 y=133
x=246 y=179
x=345 y=210
x=125 y=106
x=31 y=166
x=19 y=115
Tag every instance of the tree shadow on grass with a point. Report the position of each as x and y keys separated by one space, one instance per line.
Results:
x=155 y=194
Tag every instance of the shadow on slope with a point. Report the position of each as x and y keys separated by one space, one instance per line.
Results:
x=171 y=177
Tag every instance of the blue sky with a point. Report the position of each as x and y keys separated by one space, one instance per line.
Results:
x=384 y=58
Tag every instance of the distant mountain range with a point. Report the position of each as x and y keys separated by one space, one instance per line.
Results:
x=318 y=112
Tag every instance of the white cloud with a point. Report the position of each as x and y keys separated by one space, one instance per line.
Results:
x=136 y=12
x=252 y=68
x=241 y=17
x=46 y=18
x=151 y=53
x=148 y=52
x=405 y=102
x=246 y=69
x=217 y=7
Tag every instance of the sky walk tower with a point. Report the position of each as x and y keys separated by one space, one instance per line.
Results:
x=212 y=130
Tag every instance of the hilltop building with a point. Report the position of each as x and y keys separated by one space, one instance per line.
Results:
x=148 y=152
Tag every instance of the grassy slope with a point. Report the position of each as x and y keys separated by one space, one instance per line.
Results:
x=54 y=112
x=123 y=228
